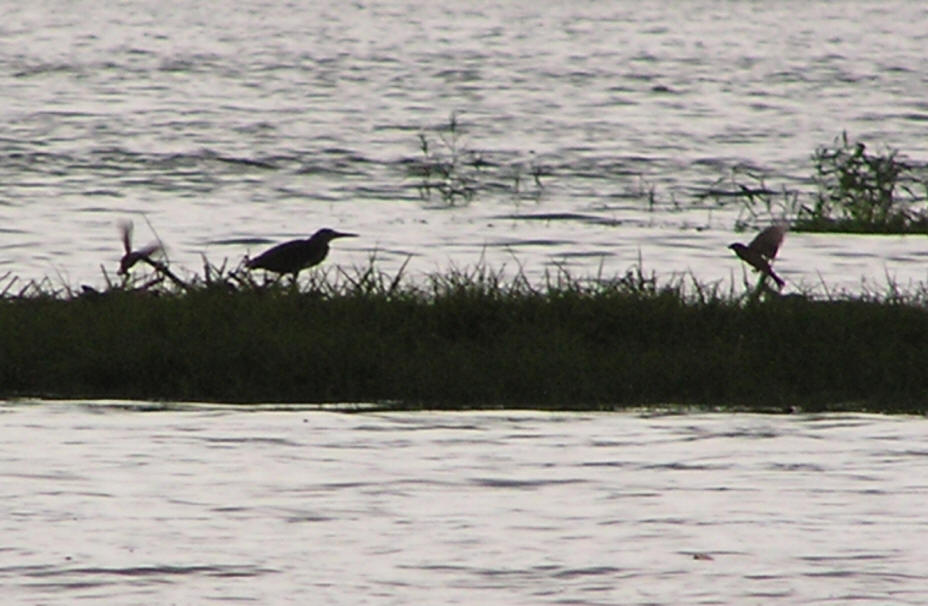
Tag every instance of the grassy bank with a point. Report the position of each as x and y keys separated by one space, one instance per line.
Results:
x=468 y=339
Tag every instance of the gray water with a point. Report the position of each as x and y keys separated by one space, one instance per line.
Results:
x=228 y=129
x=106 y=503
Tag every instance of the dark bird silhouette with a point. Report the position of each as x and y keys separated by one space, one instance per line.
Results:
x=762 y=250
x=144 y=255
x=133 y=256
x=293 y=256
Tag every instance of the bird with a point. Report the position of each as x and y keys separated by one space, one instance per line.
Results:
x=133 y=256
x=143 y=254
x=761 y=251
x=296 y=255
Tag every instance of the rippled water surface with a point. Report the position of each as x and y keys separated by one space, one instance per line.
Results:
x=110 y=503
x=230 y=129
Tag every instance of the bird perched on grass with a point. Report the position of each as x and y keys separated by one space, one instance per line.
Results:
x=144 y=255
x=134 y=256
x=761 y=251
x=293 y=256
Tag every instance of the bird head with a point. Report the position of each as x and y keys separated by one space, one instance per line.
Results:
x=327 y=235
x=736 y=246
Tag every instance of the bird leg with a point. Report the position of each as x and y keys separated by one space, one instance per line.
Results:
x=762 y=288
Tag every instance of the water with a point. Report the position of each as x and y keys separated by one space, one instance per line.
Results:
x=229 y=129
x=108 y=503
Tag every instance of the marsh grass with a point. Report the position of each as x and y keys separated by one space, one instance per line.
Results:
x=450 y=170
x=856 y=191
x=466 y=338
x=862 y=191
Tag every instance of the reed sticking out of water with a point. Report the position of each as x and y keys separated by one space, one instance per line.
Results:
x=449 y=168
x=857 y=191
x=862 y=191
x=466 y=338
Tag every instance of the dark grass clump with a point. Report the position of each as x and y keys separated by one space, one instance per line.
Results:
x=467 y=339
x=857 y=191
x=861 y=191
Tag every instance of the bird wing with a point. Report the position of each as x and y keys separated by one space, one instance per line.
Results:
x=149 y=250
x=282 y=258
x=767 y=242
x=125 y=229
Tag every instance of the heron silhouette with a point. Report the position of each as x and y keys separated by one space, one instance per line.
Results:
x=296 y=255
x=762 y=250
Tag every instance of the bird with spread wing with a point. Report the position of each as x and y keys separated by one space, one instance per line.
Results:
x=762 y=250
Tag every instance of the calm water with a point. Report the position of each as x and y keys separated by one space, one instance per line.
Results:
x=106 y=503
x=233 y=128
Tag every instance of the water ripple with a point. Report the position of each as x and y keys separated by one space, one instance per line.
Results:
x=442 y=495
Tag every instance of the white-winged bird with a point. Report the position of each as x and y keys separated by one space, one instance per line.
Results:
x=133 y=256
x=293 y=256
x=762 y=250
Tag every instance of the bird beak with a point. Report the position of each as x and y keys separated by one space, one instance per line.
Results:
x=342 y=234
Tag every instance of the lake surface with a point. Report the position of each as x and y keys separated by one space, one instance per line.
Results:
x=226 y=130
x=123 y=503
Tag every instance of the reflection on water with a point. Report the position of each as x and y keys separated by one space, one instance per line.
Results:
x=118 y=505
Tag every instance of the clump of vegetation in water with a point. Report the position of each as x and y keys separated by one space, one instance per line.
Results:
x=450 y=169
x=860 y=191
x=466 y=338
x=857 y=191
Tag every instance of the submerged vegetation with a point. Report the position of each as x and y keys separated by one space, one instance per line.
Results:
x=856 y=191
x=863 y=191
x=468 y=338
x=454 y=173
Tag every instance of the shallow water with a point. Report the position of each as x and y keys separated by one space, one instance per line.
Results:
x=232 y=129
x=126 y=504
